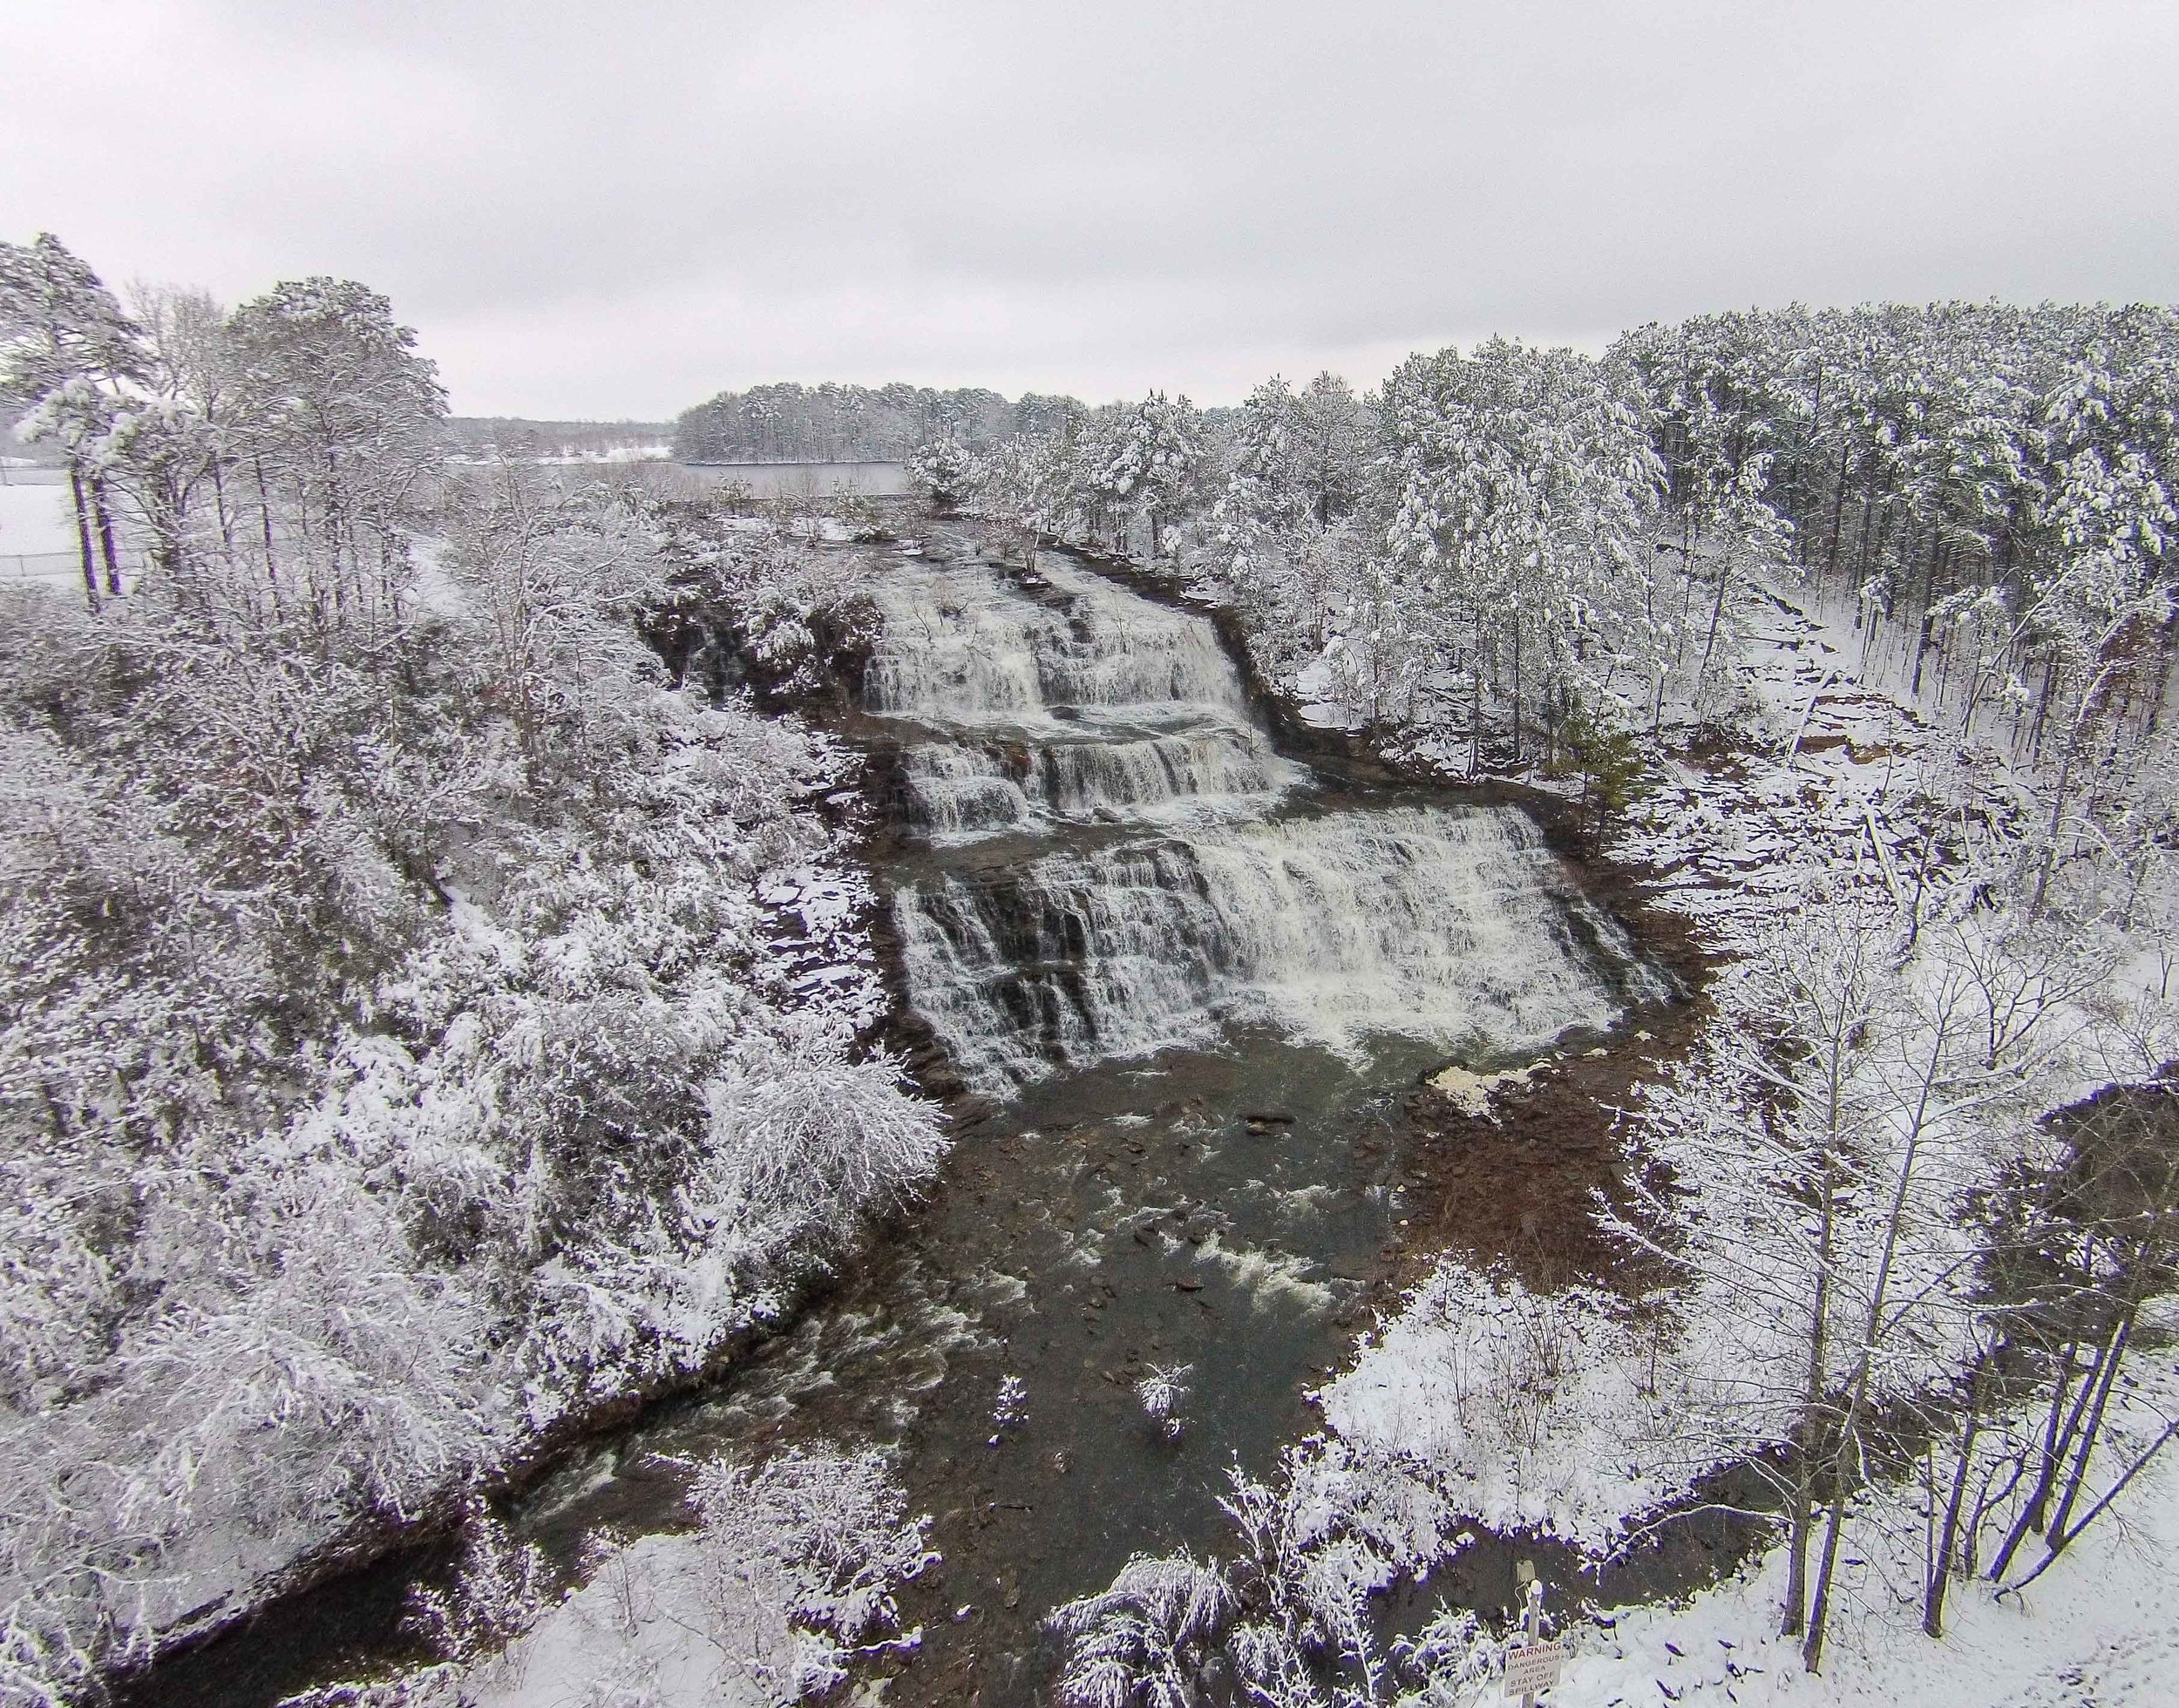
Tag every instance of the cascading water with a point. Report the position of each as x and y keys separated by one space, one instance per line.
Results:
x=1033 y=701
x=1060 y=697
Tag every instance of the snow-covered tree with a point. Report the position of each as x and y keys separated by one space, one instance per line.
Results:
x=1145 y=1639
x=941 y=471
x=388 y=974
x=1521 y=479
x=803 y=1554
x=337 y=436
x=67 y=357
x=1152 y=463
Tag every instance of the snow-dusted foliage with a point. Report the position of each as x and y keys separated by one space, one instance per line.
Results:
x=1164 y=1392
x=832 y=423
x=497 y=1593
x=942 y=471
x=1985 y=494
x=1145 y=1639
x=803 y=1553
x=789 y=1575
x=1287 y=1623
x=1094 y=474
x=422 y=1020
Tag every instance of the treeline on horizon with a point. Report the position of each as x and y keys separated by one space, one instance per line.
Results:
x=789 y=422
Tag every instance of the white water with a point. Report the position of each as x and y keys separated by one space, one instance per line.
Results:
x=963 y=646
x=1072 y=701
x=1061 y=697
x=1448 y=923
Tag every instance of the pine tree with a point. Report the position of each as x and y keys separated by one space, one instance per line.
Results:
x=67 y=355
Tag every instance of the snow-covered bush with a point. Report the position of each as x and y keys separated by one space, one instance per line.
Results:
x=1164 y=1394
x=497 y=1592
x=803 y=1556
x=1145 y=1639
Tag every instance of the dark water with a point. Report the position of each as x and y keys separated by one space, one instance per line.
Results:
x=1125 y=1217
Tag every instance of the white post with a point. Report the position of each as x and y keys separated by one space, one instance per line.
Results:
x=1524 y=1572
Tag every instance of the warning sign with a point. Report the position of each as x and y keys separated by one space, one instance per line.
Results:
x=1532 y=1667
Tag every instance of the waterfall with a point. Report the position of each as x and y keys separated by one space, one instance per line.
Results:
x=963 y=645
x=1061 y=697
x=1043 y=706
x=1450 y=925
x=957 y=790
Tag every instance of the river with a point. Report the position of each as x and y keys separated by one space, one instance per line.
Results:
x=1178 y=984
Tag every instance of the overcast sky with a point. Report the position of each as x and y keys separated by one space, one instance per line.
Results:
x=593 y=210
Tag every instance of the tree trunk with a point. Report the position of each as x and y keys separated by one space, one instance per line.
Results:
x=106 y=535
x=1929 y=620
x=1516 y=690
x=1955 y=1501
x=1872 y=1328
x=1838 y=513
x=2113 y=1352
x=83 y=538
x=1808 y=1437
x=1475 y=701
x=2057 y=1431
x=1717 y=617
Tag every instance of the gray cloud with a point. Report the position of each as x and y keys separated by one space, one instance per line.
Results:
x=601 y=212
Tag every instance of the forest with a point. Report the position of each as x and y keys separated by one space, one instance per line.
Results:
x=849 y=424
x=441 y=1000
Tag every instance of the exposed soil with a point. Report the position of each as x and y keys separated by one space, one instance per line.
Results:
x=1516 y=1190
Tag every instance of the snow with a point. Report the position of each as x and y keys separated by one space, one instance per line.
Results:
x=790 y=1573
x=644 y=1620
x=433 y=587
x=2100 y=1629
x=1472 y=1092
x=1529 y=1412
x=36 y=519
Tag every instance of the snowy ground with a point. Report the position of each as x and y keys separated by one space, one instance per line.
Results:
x=2099 y=1629
x=1734 y=842
x=35 y=525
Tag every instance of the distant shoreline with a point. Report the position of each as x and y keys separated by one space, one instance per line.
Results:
x=801 y=463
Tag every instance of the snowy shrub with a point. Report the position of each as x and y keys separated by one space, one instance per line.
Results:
x=942 y=471
x=427 y=1687
x=1009 y=1406
x=498 y=1591
x=802 y=1555
x=820 y=1141
x=1164 y=1392
x=1146 y=1639
x=1452 y=1661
